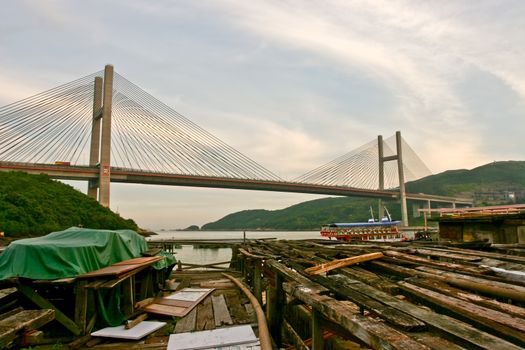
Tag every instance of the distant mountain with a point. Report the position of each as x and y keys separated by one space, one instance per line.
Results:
x=37 y=205
x=490 y=184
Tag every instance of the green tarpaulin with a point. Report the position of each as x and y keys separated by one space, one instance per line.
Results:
x=70 y=253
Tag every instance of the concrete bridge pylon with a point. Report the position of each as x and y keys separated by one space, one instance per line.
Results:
x=401 y=175
x=100 y=150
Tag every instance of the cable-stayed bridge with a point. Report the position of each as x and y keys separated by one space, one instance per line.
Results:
x=102 y=128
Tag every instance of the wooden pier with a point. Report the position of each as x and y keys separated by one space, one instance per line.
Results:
x=322 y=294
x=405 y=296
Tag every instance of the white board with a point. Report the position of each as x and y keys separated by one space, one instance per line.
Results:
x=139 y=331
x=211 y=339
x=188 y=294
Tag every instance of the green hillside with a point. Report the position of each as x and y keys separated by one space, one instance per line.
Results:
x=481 y=183
x=36 y=205
x=492 y=177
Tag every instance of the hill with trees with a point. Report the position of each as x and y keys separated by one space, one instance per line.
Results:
x=37 y=205
x=489 y=184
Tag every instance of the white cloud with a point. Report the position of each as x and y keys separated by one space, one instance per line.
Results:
x=294 y=84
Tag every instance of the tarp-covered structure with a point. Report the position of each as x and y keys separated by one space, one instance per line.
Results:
x=70 y=253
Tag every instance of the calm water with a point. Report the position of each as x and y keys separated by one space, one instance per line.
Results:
x=191 y=255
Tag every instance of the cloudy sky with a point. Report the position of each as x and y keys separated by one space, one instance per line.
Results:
x=291 y=84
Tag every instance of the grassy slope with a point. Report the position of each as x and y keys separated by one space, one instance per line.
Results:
x=497 y=176
x=36 y=205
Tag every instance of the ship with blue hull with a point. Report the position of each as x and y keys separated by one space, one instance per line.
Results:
x=384 y=230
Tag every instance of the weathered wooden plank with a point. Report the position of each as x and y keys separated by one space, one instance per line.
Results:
x=370 y=278
x=448 y=325
x=440 y=264
x=11 y=313
x=435 y=342
x=482 y=254
x=499 y=289
x=187 y=323
x=167 y=310
x=220 y=311
x=24 y=320
x=444 y=288
x=444 y=254
x=205 y=320
x=344 y=287
x=495 y=322
x=292 y=275
x=372 y=332
x=336 y=264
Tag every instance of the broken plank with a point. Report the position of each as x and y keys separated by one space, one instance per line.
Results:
x=187 y=323
x=220 y=311
x=205 y=320
x=318 y=269
x=25 y=320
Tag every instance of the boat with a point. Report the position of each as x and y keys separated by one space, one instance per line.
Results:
x=384 y=230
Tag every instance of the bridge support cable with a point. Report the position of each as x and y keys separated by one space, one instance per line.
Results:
x=368 y=167
x=65 y=125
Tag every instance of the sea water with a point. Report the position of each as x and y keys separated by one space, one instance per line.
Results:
x=189 y=254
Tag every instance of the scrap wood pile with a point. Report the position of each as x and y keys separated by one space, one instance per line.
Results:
x=397 y=297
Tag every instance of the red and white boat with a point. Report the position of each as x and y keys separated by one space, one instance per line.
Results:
x=384 y=230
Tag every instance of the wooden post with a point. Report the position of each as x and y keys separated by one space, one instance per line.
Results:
x=81 y=302
x=317 y=331
x=275 y=307
x=128 y=297
x=257 y=282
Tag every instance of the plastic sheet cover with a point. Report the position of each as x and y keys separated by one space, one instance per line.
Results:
x=69 y=253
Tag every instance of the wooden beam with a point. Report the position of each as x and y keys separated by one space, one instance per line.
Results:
x=372 y=332
x=492 y=321
x=45 y=304
x=458 y=330
x=336 y=264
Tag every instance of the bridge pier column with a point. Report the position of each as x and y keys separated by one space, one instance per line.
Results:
x=401 y=172
x=381 y=208
x=105 y=149
x=94 y=152
x=401 y=175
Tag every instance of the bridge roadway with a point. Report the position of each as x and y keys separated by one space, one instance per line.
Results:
x=75 y=172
